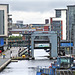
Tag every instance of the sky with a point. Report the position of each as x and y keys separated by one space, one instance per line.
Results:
x=35 y=11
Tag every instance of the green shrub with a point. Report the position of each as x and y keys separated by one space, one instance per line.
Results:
x=15 y=38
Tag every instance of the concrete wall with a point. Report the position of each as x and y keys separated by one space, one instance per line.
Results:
x=63 y=19
x=5 y=8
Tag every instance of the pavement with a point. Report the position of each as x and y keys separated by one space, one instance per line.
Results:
x=8 y=53
x=2 y=61
x=14 y=51
x=6 y=60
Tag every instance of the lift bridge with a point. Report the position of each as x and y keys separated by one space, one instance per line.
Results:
x=44 y=40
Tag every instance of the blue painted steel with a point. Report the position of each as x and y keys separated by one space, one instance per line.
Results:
x=38 y=73
x=1 y=41
x=56 y=65
x=66 y=44
x=63 y=60
x=51 y=71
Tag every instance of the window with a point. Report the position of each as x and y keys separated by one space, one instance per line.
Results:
x=58 y=13
x=65 y=60
x=74 y=18
x=2 y=22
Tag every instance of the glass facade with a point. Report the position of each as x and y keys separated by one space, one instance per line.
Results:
x=70 y=20
x=56 y=26
x=58 y=13
x=1 y=22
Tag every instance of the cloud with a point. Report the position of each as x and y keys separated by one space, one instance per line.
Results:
x=37 y=5
x=34 y=11
x=30 y=6
x=31 y=17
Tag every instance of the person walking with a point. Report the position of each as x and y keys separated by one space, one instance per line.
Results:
x=10 y=54
x=3 y=56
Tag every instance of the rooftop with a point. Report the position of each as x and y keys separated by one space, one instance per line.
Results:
x=37 y=24
x=7 y=7
x=71 y=6
x=60 y=9
x=22 y=30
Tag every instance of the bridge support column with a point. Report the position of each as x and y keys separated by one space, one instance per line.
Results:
x=32 y=47
x=53 y=41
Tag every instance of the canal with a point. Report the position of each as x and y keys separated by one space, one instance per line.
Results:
x=27 y=67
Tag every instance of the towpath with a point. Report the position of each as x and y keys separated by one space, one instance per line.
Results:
x=6 y=60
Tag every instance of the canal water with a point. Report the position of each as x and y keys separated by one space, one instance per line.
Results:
x=27 y=67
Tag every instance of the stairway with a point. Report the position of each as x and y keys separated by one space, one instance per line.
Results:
x=22 y=52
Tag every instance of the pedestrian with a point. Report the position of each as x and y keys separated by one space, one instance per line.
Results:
x=11 y=54
x=3 y=56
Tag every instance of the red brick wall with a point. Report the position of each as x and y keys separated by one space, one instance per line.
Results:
x=39 y=29
x=46 y=28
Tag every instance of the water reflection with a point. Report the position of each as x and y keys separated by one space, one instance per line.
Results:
x=25 y=67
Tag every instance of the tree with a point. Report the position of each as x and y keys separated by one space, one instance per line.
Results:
x=15 y=38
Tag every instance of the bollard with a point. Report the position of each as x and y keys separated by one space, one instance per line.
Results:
x=23 y=56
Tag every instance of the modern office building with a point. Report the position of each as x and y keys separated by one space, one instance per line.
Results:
x=40 y=27
x=70 y=21
x=19 y=24
x=35 y=26
x=58 y=23
x=9 y=24
x=73 y=36
x=4 y=10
